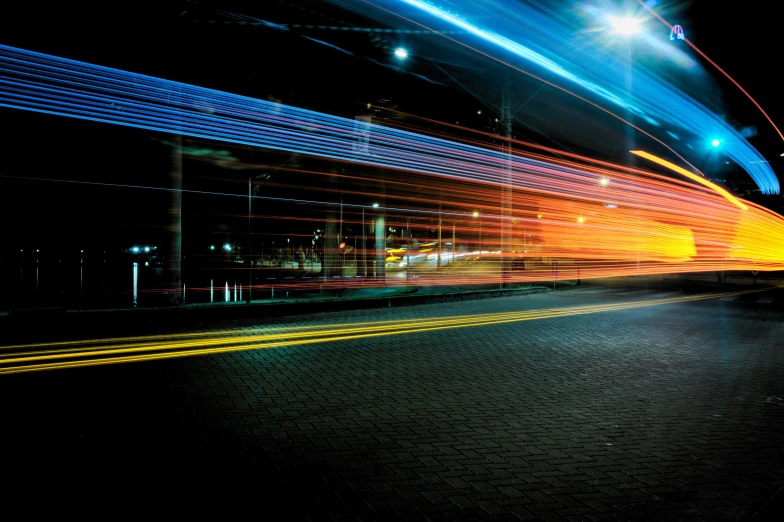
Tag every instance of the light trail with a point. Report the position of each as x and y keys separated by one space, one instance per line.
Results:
x=732 y=199
x=714 y=64
x=541 y=61
x=27 y=358
x=636 y=222
x=525 y=33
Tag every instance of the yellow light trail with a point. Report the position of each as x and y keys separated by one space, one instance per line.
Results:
x=664 y=163
x=167 y=347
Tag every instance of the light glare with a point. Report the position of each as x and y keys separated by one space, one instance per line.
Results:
x=625 y=25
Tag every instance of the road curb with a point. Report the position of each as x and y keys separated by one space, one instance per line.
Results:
x=193 y=315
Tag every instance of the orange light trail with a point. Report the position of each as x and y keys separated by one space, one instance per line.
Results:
x=680 y=170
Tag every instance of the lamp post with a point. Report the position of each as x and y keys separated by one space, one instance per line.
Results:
x=250 y=233
x=628 y=26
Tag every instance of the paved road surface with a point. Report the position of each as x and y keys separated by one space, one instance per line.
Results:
x=661 y=412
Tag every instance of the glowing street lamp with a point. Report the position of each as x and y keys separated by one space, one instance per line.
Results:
x=401 y=53
x=625 y=25
x=375 y=205
x=604 y=182
x=227 y=247
x=581 y=220
x=715 y=142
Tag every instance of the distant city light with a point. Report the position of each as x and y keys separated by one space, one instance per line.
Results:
x=146 y=249
x=227 y=247
x=401 y=53
x=212 y=247
x=135 y=249
x=476 y=214
x=716 y=142
x=581 y=220
x=625 y=25
x=604 y=182
x=375 y=205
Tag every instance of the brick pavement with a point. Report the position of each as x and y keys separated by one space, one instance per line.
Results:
x=669 y=412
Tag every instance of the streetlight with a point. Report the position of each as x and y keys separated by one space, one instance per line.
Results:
x=227 y=247
x=251 y=192
x=401 y=53
x=628 y=26
x=625 y=25
x=603 y=182
x=715 y=142
x=375 y=205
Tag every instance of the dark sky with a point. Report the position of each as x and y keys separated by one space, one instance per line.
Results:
x=154 y=37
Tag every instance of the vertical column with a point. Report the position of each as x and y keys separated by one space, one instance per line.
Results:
x=454 y=244
x=506 y=187
x=331 y=232
x=381 y=246
x=438 y=261
x=173 y=263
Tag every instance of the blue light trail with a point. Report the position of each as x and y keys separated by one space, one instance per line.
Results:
x=47 y=84
x=539 y=39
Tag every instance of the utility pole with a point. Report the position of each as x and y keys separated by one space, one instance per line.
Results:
x=506 y=186
x=250 y=239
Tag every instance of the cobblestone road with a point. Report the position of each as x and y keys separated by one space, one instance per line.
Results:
x=666 y=412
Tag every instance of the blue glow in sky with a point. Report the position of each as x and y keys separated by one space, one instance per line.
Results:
x=573 y=45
